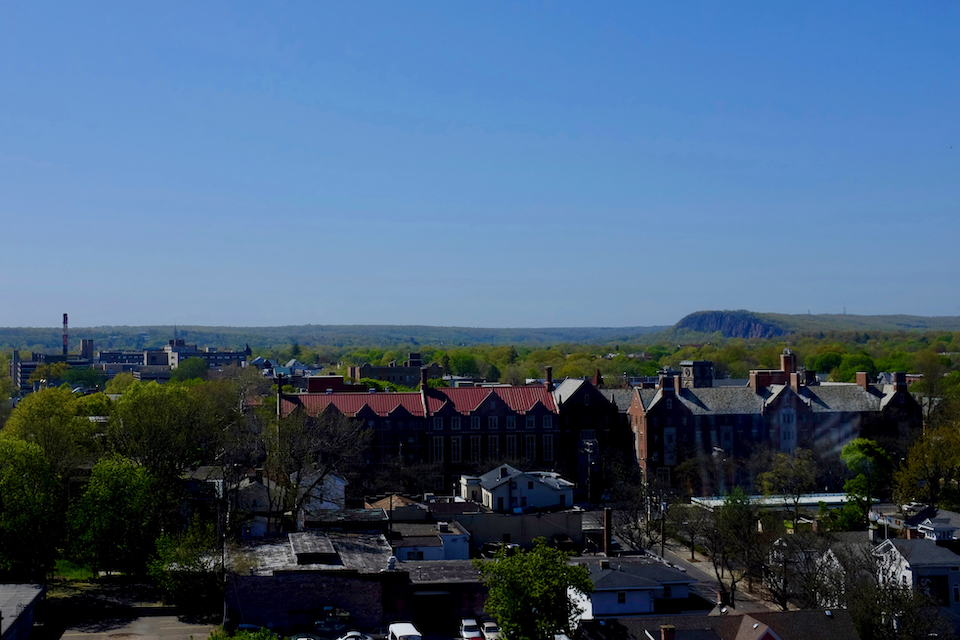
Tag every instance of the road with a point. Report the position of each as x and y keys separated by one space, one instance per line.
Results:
x=707 y=585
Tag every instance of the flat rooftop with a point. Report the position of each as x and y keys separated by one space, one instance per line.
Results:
x=334 y=551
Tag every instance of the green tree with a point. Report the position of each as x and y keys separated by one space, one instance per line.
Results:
x=190 y=369
x=529 y=591
x=48 y=373
x=30 y=512
x=872 y=467
x=120 y=383
x=932 y=464
x=161 y=427
x=188 y=568
x=48 y=418
x=112 y=524
x=86 y=377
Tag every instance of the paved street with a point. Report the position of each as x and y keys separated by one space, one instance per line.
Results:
x=707 y=585
x=145 y=628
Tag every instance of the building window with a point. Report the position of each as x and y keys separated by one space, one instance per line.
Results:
x=438 y=424
x=548 y=422
x=531 y=452
x=493 y=422
x=588 y=434
x=475 y=422
x=415 y=555
x=512 y=447
x=621 y=597
x=493 y=447
x=530 y=422
x=548 y=447
x=455 y=423
x=667 y=591
x=455 y=453
x=511 y=422
x=474 y=448
x=586 y=400
x=669 y=404
x=529 y=484
x=437 y=451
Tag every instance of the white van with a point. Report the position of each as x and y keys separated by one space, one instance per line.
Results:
x=403 y=631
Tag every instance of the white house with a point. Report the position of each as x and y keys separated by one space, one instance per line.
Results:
x=508 y=489
x=922 y=565
x=430 y=541
x=631 y=589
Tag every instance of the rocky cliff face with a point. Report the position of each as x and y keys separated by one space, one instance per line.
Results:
x=731 y=324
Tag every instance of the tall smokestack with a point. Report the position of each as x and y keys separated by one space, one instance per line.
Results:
x=64 y=334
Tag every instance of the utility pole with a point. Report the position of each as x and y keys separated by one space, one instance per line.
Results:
x=663 y=521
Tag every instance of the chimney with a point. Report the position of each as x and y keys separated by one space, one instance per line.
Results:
x=604 y=564
x=899 y=381
x=549 y=383
x=503 y=472
x=795 y=381
x=423 y=377
x=676 y=384
x=863 y=379
x=788 y=361
x=668 y=632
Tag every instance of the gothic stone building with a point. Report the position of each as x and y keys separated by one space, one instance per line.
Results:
x=780 y=409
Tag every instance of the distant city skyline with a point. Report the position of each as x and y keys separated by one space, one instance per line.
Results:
x=478 y=165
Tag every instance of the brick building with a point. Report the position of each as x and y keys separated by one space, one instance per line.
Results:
x=780 y=409
x=465 y=428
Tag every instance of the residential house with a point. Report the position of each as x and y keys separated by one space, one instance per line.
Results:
x=415 y=541
x=726 y=625
x=634 y=587
x=508 y=489
x=922 y=565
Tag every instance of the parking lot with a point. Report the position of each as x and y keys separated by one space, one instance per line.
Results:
x=145 y=628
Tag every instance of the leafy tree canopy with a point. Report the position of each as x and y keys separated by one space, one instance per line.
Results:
x=529 y=591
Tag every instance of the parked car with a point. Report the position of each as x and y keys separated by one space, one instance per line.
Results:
x=354 y=635
x=403 y=631
x=470 y=630
x=491 y=631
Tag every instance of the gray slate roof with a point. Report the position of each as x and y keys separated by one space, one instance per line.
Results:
x=923 y=553
x=566 y=389
x=620 y=397
x=646 y=575
x=832 y=398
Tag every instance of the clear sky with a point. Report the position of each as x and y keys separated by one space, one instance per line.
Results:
x=476 y=163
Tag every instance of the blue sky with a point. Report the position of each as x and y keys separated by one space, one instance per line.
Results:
x=476 y=164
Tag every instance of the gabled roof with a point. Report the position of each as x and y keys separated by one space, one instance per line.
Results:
x=921 y=553
x=566 y=389
x=648 y=575
x=810 y=624
x=828 y=398
x=464 y=400
x=620 y=397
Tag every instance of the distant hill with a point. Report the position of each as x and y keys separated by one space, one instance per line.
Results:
x=731 y=324
x=125 y=337
x=696 y=327
x=749 y=324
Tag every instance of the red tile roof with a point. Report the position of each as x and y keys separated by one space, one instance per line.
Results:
x=465 y=400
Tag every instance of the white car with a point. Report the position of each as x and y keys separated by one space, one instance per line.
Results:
x=470 y=630
x=491 y=631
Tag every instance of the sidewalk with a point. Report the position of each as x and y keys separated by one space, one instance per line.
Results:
x=701 y=569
